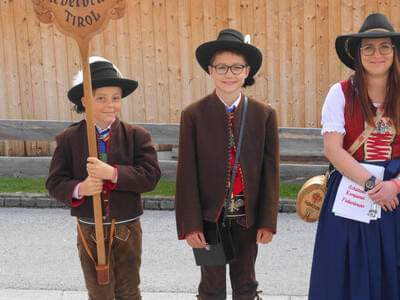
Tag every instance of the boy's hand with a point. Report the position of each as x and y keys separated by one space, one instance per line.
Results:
x=264 y=236
x=99 y=169
x=90 y=186
x=196 y=240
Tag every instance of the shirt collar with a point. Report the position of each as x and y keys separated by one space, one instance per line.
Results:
x=105 y=132
x=235 y=104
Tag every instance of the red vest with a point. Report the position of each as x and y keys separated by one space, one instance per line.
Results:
x=238 y=184
x=380 y=145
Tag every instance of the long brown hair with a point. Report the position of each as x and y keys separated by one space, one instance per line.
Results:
x=391 y=105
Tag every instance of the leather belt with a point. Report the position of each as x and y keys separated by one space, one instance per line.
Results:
x=107 y=221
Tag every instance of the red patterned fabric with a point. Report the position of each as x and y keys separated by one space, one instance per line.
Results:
x=381 y=145
x=238 y=184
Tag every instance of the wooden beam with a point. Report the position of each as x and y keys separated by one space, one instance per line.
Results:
x=25 y=167
x=304 y=144
x=38 y=167
x=300 y=173
x=32 y=130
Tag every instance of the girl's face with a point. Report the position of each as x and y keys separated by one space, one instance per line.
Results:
x=106 y=104
x=377 y=55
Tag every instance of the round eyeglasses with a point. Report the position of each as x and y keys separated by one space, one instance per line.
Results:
x=384 y=49
x=235 y=69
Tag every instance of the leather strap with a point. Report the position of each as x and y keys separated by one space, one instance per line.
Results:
x=234 y=168
x=87 y=247
x=362 y=138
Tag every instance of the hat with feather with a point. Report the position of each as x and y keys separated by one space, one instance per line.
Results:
x=103 y=73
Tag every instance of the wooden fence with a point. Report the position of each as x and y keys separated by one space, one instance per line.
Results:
x=301 y=149
x=155 y=43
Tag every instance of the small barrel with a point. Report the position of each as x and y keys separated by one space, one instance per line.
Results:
x=310 y=198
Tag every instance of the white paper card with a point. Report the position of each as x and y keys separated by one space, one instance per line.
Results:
x=352 y=202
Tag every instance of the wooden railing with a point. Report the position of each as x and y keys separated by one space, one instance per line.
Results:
x=301 y=149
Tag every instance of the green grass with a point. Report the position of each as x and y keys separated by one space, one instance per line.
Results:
x=164 y=188
x=289 y=191
x=30 y=185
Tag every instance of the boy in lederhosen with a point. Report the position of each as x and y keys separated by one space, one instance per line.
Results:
x=207 y=147
x=125 y=167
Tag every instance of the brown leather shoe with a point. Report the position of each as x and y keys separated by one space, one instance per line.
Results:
x=258 y=296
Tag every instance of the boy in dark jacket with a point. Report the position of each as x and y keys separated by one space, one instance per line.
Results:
x=125 y=167
x=207 y=146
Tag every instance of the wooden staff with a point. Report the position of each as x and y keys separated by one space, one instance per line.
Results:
x=81 y=20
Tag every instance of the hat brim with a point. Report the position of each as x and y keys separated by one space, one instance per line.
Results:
x=346 y=45
x=127 y=86
x=205 y=52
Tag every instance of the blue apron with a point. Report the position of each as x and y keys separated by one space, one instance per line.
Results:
x=354 y=260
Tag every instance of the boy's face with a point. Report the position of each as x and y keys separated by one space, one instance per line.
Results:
x=106 y=104
x=228 y=84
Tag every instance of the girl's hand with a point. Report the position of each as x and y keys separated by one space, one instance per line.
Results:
x=385 y=194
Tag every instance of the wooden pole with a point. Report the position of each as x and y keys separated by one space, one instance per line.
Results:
x=82 y=22
x=91 y=136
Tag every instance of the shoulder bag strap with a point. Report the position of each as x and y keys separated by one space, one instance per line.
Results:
x=362 y=138
x=234 y=168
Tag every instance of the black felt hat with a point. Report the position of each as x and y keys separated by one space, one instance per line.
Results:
x=231 y=39
x=375 y=26
x=103 y=73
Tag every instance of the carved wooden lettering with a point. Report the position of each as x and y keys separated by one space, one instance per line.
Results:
x=80 y=19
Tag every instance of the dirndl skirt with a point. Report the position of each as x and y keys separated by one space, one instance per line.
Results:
x=354 y=260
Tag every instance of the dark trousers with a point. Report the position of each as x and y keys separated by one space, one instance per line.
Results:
x=241 y=270
x=124 y=263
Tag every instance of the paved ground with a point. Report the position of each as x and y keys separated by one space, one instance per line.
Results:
x=71 y=295
x=38 y=258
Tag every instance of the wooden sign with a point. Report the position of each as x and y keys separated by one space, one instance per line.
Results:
x=81 y=20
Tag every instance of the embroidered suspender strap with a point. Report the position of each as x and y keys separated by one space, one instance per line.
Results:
x=362 y=138
x=103 y=277
x=234 y=168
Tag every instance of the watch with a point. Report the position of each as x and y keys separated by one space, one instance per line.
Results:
x=370 y=184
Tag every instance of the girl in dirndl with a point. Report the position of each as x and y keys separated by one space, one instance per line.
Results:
x=353 y=259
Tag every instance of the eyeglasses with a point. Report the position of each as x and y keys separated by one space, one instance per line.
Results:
x=384 y=49
x=235 y=69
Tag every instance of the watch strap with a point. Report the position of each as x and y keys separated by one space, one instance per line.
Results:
x=369 y=180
